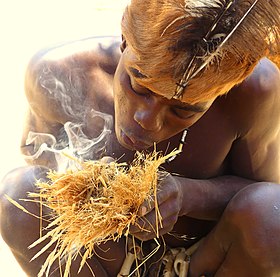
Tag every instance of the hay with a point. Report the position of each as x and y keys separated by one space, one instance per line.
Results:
x=94 y=203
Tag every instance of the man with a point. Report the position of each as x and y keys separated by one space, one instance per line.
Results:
x=197 y=65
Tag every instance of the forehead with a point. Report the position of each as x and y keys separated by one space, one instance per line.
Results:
x=162 y=85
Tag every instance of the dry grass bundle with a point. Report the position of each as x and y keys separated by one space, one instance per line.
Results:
x=94 y=203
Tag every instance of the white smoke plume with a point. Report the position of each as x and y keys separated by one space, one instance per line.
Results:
x=68 y=87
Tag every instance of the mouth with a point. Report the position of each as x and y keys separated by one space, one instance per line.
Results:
x=133 y=143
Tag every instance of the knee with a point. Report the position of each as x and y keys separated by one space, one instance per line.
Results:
x=253 y=215
x=259 y=201
x=18 y=181
x=16 y=185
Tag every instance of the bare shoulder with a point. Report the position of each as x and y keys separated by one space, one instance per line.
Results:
x=254 y=108
x=265 y=80
x=102 y=48
x=64 y=75
x=101 y=51
x=257 y=99
x=64 y=83
x=263 y=88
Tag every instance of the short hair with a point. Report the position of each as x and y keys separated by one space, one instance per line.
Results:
x=166 y=34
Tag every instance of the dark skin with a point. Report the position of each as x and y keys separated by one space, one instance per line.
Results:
x=227 y=169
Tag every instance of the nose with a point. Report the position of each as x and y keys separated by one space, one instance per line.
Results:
x=150 y=116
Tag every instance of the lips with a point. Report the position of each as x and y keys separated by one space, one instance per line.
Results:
x=133 y=143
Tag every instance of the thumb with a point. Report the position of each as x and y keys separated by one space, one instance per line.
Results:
x=107 y=159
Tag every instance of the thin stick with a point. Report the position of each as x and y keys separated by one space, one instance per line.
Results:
x=190 y=73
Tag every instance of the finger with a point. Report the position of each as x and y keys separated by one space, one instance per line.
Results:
x=162 y=196
x=107 y=159
x=147 y=231
x=165 y=204
x=165 y=216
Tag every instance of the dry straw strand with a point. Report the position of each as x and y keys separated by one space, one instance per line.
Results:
x=93 y=203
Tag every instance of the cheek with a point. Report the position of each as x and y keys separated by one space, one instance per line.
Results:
x=118 y=95
x=121 y=101
x=122 y=105
x=125 y=101
x=175 y=126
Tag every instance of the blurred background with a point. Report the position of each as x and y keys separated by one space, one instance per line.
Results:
x=25 y=27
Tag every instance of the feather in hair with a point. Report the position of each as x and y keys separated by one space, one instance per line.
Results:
x=209 y=39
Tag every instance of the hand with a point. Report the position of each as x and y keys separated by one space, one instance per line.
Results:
x=169 y=200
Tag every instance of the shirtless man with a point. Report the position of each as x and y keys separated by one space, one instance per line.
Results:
x=226 y=186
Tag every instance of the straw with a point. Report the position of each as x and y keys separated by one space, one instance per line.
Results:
x=93 y=203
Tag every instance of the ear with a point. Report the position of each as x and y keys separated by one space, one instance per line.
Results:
x=123 y=44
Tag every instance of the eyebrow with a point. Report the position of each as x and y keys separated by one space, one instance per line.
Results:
x=136 y=73
x=193 y=108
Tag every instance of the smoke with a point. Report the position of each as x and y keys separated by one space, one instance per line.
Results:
x=74 y=143
x=68 y=87
x=57 y=90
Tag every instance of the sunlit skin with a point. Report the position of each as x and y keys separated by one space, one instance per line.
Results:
x=150 y=116
x=228 y=168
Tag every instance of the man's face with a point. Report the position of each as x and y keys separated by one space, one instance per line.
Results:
x=144 y=116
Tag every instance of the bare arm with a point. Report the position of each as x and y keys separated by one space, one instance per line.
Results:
x=255 y=154
x=254 y=157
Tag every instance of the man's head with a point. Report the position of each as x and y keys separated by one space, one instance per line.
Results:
x=167 y=36
x=161 y=38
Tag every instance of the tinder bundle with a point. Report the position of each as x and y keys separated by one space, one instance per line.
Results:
x=94 y=203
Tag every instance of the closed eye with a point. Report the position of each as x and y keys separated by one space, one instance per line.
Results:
x=180 y=109
x=187 y=111
x=183 y=114
x=138 y=89
x=136 y=73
